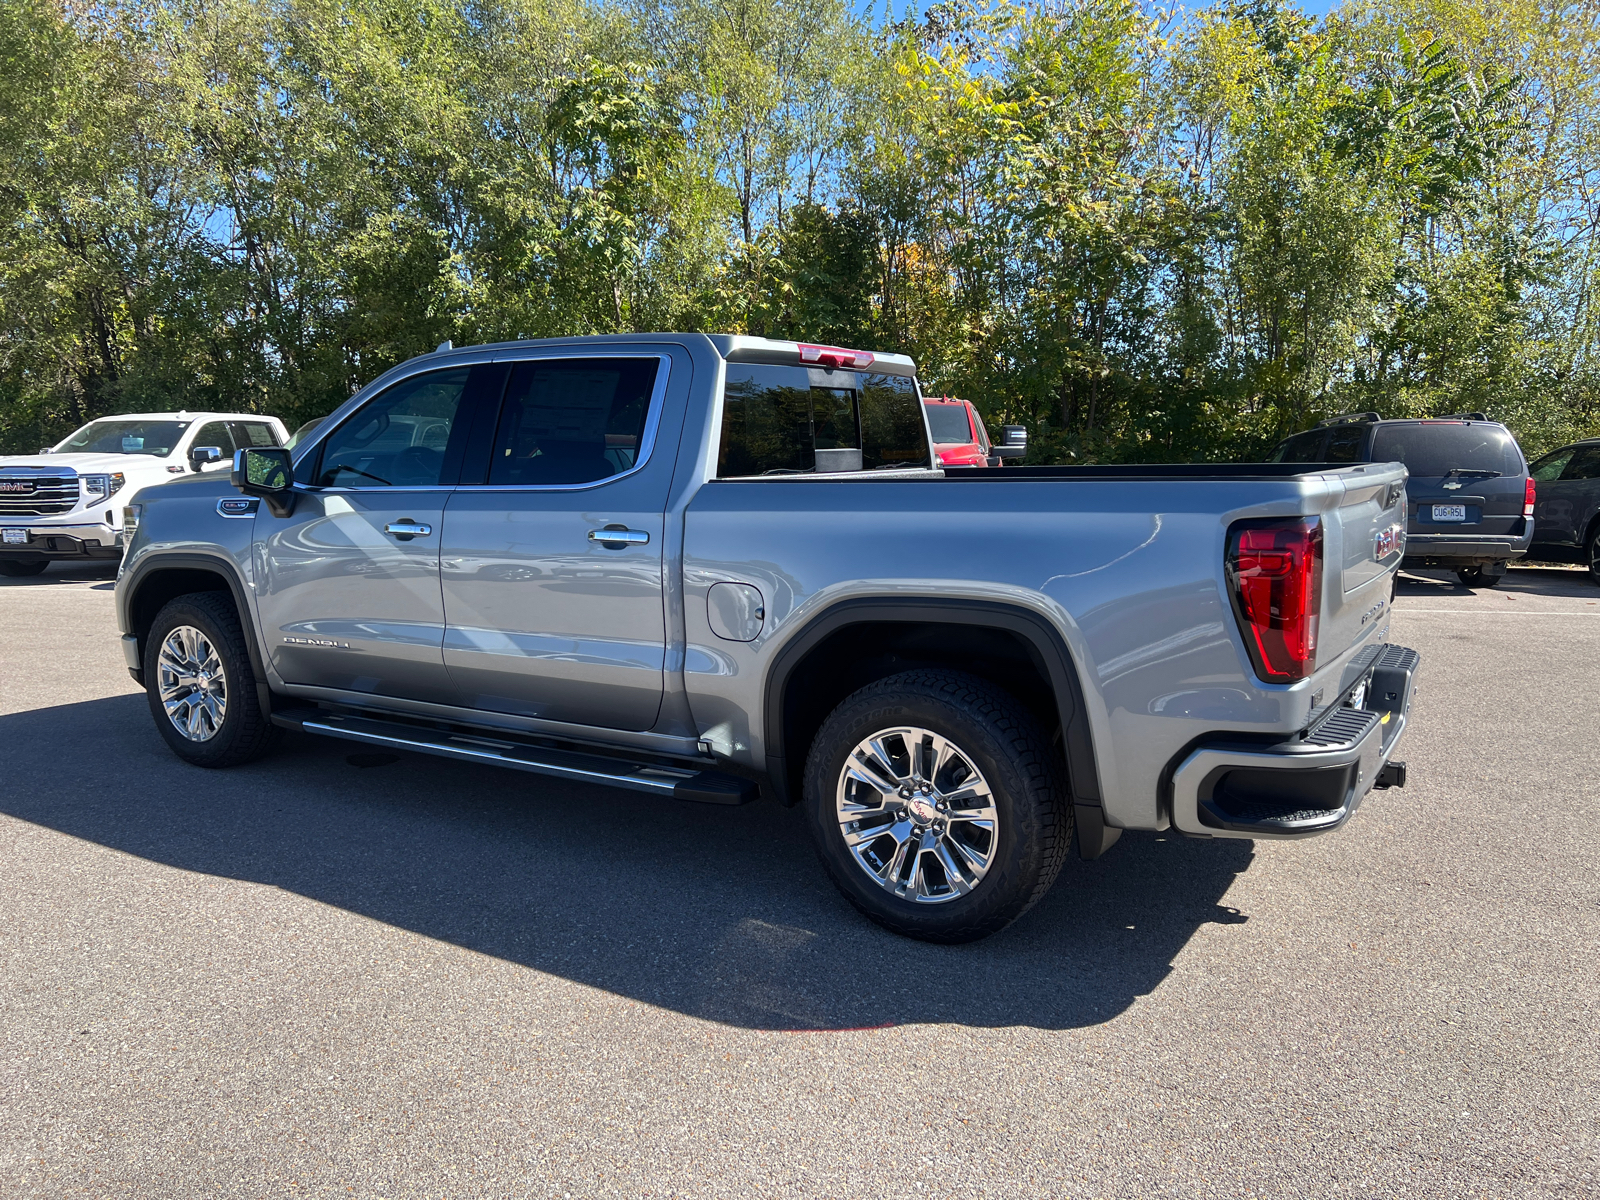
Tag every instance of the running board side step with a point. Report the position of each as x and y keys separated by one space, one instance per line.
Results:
x=680 y=783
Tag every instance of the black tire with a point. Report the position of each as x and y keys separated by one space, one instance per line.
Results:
x=1474 y=577
x=23 y=569
x=1592 y=555
x=1025 y=777
x=244 y=732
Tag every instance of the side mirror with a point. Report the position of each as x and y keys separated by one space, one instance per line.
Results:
x=204 y=456
x=47 y=449
x=1013 y=442
x=268 y=472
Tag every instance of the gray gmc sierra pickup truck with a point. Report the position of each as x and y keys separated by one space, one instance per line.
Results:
x=707 y=566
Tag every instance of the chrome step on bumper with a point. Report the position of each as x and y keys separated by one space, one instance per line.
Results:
x=1310 y=783
x=679 y=783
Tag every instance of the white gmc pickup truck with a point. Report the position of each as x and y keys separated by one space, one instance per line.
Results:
x=66 y=501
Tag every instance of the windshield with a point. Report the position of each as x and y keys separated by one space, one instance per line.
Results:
x=125 y=437
x=1428 y=448
x=948 y=422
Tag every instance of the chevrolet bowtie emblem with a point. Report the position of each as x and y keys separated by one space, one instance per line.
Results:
x=1453 y=484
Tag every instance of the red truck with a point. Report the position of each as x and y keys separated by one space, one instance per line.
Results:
x=960 y=439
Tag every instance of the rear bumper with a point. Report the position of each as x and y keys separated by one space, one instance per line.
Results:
x=79 y=540
x=1307 y=784
x=1449 y=549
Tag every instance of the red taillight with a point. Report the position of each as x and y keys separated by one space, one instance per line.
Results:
x=834 y=357
x=1275 y=570
x=1528 y=496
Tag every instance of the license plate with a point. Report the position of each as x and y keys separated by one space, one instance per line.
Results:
x=14 y=537
x=1449 y=512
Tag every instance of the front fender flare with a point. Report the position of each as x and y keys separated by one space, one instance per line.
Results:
x=220 y=565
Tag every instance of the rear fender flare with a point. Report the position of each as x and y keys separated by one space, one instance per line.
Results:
x=1046 y=644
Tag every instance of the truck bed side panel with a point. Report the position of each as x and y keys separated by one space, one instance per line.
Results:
x=1130 y=572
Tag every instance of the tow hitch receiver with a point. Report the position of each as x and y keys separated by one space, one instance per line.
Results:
x=1392 y=775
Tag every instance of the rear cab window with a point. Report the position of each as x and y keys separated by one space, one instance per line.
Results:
x=793 y=420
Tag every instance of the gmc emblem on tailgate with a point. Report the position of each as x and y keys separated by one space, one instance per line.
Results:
x=16 y=485
x=1387 y=542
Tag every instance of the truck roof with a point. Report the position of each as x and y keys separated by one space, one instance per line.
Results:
x=734 y=347
x=185 y=415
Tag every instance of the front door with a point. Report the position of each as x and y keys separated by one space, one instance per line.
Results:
x=546 y=616
x=348 y=584
x=1580 y=484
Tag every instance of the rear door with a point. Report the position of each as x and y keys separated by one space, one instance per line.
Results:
x=1466 y=477
x=546 y=616
x=1553 y=522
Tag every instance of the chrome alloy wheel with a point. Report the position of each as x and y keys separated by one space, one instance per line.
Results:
x=917 y=815
x=193 y=687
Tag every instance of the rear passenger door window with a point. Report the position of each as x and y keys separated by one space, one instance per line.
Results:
x=1585 y=464
x=572 y=421
x=250 y=434
x=779 y=420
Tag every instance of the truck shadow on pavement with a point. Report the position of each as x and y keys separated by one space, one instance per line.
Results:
x=722 y=914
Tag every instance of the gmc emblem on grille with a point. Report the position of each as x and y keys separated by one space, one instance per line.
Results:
x=16 y=486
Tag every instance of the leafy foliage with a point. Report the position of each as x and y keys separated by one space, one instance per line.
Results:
x=1144 y=236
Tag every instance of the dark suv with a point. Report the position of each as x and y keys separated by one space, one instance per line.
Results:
x=1469 y=503
x=1567 y=520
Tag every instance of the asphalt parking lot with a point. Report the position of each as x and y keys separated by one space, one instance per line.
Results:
x=332 y=975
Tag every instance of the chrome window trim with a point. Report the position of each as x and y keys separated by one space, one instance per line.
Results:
x=647 y=440
x=312 y=489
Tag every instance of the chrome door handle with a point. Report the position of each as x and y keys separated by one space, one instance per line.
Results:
x=615 y=537
x=407 y=529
